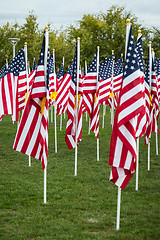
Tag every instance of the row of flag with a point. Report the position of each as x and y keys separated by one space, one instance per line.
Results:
x=133 y=90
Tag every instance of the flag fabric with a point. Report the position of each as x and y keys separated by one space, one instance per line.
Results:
x=90 y=79
x=94 y=121
x=21 y=83
x=14 y=87
x=117 y=75
x=158 y=78
x=73 y=130
x=105 y=79
x=90 y=87
x=147 y=101
x=141 y=119
x=32 y=134
x=154 y=101
x=63 y=91
x=117 y=81
x=123 y=156
x=3 y=70
x=60 y=75
x=52 y=81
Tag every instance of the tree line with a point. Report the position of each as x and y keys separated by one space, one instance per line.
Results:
x=106 y=29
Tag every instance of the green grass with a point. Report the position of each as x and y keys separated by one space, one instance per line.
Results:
x=82 y=207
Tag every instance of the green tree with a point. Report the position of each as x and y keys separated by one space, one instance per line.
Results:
x=107 y=30
x=156 y=41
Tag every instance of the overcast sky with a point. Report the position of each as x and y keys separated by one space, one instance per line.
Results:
x=66 y=12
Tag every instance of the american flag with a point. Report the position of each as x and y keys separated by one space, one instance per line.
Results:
x=52 y=81
x=94 y=122
x=123 y=140
x=148 y=101
x=141 y=119
x=2 y=71
x=90 y=79
x=154 y=101
x=60 y=73
x=14 y=87
x=90 y=87
x=63 y=91
x=73 y=131
x=32 y=134
x=105 y=75
x=117 y=75
x=158 y=78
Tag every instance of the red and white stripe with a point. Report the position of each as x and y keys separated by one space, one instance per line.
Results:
x=63 y=93
x=117 y=83
x=71 y=129
x=155 y=104
x=90 y=83
x=123 y=160
x=131 y=99
x=123 y=141
x=32 y=135
x=7 y=94
x=94 y=122
x=104 y=90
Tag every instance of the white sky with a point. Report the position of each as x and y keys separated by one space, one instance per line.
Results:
x=66 y=12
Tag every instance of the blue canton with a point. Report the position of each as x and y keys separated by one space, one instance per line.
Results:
x=105 y=68
x=118 y=67
x=139 y=51
x=17 y=64
x=131 y=63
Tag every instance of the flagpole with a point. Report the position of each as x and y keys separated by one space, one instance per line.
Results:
x=150 y=69
x=98 y=103
x=45 y=70
x=55 y=104
x=60 y=127
x=25 y=52
x=137 y=164
x=128 y=25
x=78 y=65
x=104 y=106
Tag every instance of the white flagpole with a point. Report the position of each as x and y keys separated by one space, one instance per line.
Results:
x=149 y=156
x=104 y=108
x=55 y=104
x=128 y=25
x=112 y=110
x=118 y=208
x=137 y=166
x=156 y=144
x=78 y=66
x=45 y=69
x=52 y=114
x=97 y=89
x=61 y=122
x=25 y=52
x=150 y=69
x=7 y=63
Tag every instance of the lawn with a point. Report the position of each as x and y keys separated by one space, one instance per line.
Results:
x=82 y=207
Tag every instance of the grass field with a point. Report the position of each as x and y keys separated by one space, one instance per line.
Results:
x=82 y=207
